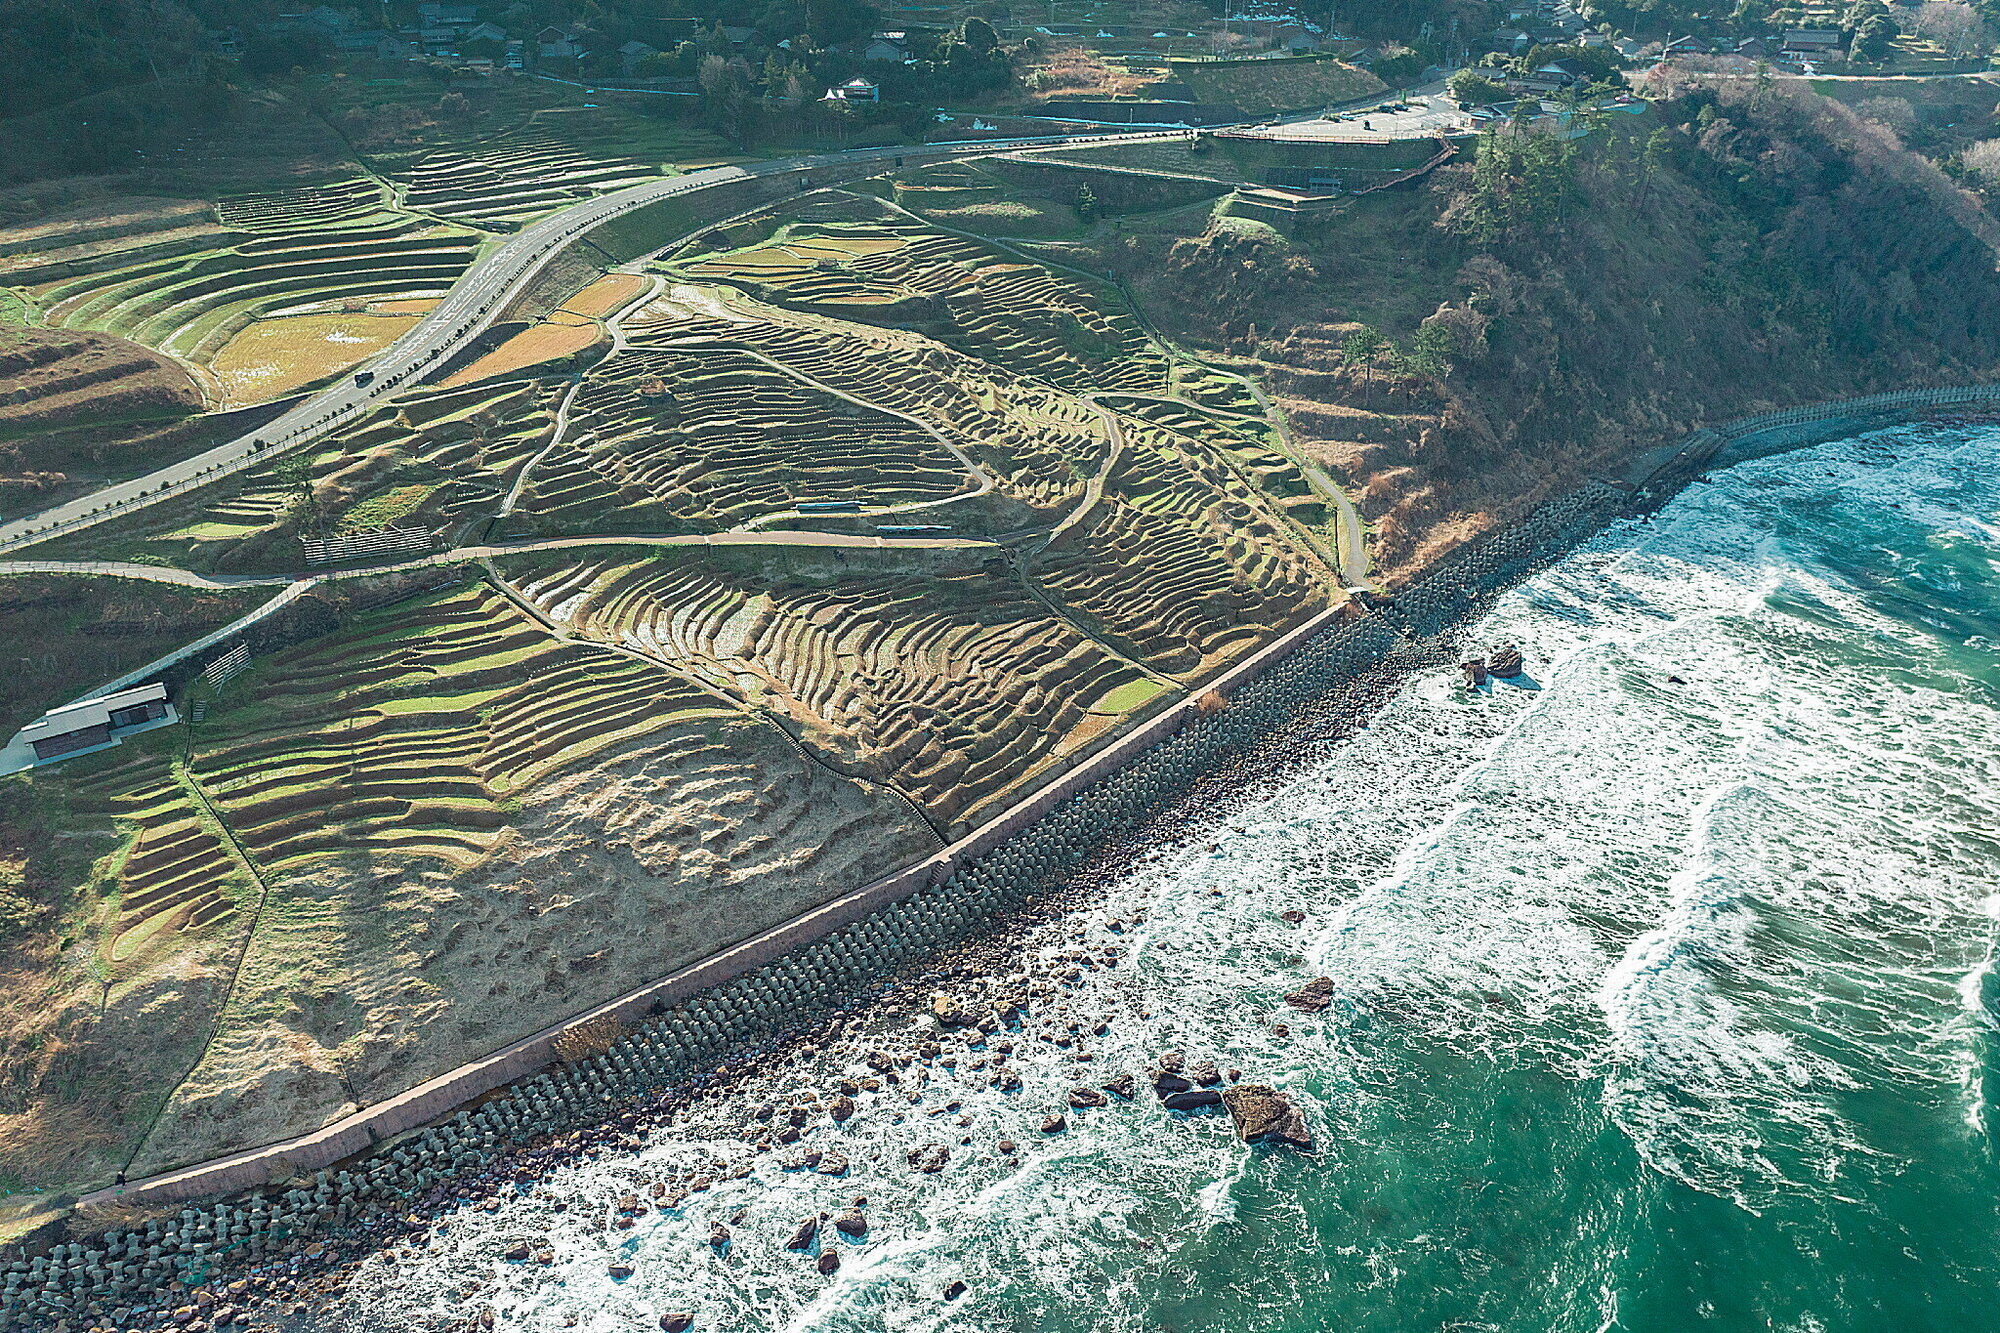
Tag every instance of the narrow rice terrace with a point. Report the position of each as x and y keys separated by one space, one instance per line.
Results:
x=955 y=688
x=707 y=440
x=513 y=177
x=893 y=269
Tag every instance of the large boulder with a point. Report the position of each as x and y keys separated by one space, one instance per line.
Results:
x=1264 y=1115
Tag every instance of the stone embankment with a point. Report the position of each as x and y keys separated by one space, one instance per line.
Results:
x=683 y=1029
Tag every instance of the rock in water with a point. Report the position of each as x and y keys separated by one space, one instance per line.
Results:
x=1122 y=1086
x=1264 y=1115
x=1080 y=1098
x=803 y=1238
x=1054 y=1124
x=829 y=1263
x=677 y=1321
x=851 y=1224
x=1505 y=663
x=1312 y=997
x=1193 y=1100
x=1166 y=1084
x=718 y=1236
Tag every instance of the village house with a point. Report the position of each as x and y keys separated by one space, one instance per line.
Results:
x=557 y=44
x=892 y=47
x=1811 y=42
x=856 y=89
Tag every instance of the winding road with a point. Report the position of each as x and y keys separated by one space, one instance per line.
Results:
x=473 y=303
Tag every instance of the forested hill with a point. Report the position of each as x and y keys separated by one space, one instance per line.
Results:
x=1553 y=306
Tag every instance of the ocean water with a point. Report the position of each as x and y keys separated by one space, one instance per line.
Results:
x=1664 y=998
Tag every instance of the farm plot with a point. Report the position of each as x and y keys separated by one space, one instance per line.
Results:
x=667 y=440
x=955 y=688
x=272 y=357
x=572 y=328
x=980 y=301
x=1180 y=562
x=514 y=177
x=285 y=250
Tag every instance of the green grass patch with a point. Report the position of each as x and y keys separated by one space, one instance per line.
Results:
x=379 y=511
x=1128 y=696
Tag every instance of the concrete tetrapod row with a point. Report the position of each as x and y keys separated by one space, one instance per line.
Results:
x=125 y=1273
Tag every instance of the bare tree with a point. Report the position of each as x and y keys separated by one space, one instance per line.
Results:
x=1955 y=26
x=1983 y=160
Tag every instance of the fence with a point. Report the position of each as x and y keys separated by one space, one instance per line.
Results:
x=383 y=541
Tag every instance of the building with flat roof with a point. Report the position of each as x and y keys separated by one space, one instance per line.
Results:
x=89 y=726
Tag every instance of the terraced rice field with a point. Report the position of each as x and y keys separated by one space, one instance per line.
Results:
x=407 y=733
x=713 y=436
x=980 y=301
x=1181 y=562
x=176 y=873
x=514 y=177
x=432 y=460
x=280 y=251
x=1035 y=438
x=956 y=689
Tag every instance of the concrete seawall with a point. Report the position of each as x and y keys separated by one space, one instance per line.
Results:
x=684 y=1024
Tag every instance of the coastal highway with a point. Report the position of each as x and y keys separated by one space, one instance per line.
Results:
x=473 y=303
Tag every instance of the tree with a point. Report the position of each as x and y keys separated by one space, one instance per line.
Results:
x=1471 y=88
x=1086 y=204
x=1958 y=28
x=1431 y=351
x=977 y=36
x=1874 y=39
x=1360 y=348
x=1982 y=162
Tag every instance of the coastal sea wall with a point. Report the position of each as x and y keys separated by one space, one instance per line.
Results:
x=679 y=1029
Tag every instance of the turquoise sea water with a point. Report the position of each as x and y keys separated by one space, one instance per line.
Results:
x=1659 y=1006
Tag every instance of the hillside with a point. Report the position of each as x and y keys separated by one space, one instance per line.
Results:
x=819 y=538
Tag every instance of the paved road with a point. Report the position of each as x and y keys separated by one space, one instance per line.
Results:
x=479 y=295
x=1431 y=112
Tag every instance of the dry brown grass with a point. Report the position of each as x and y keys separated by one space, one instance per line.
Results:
x=588 y=1039
x=1074 y=70
x=563 y=335
x=609 y=293
x=275 y=356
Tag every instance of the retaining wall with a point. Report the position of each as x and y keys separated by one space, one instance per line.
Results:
x=749 y=994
